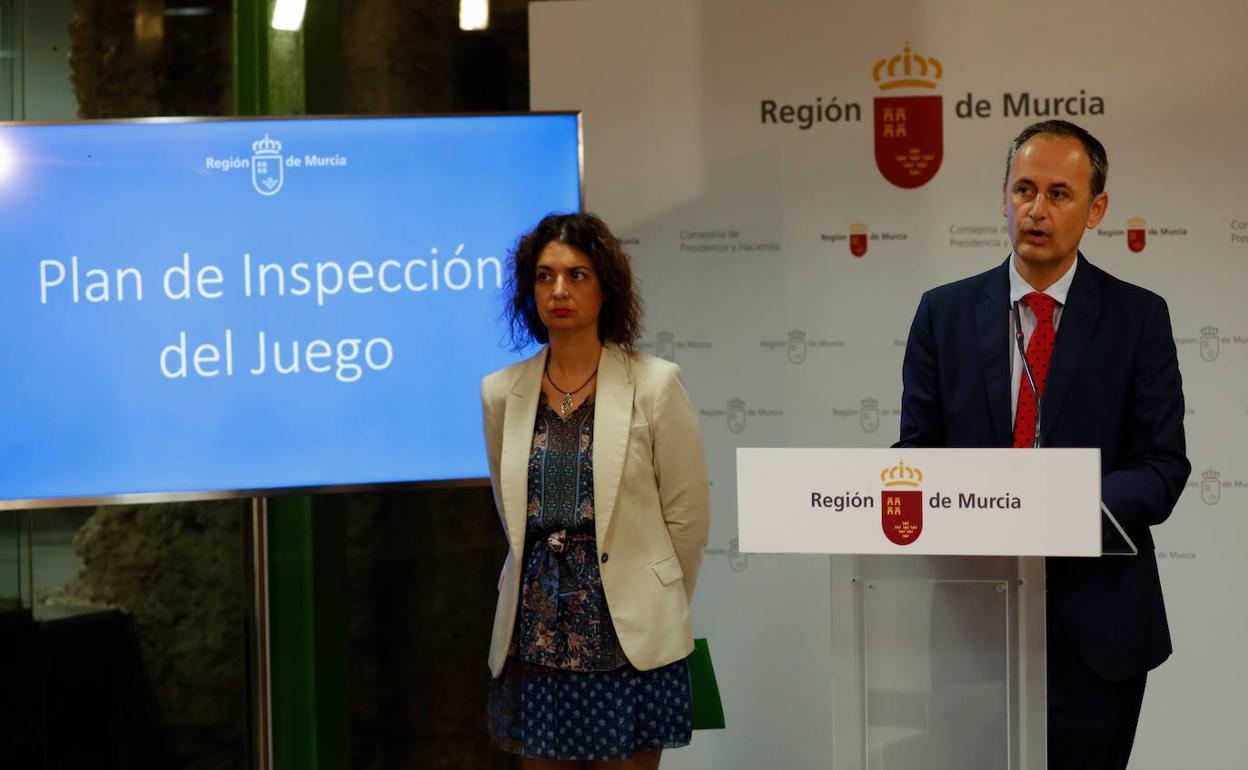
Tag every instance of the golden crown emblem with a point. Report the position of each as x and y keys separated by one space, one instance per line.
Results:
x=1210 y=475
x=858 y=228
x=901 y=475
x=908 y=70
x=1136 y=223
x=1209 y=331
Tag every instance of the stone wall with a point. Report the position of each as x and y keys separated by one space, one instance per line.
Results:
x=129 y=60
x=400 y=57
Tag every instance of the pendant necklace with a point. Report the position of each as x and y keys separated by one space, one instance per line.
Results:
x=565 y=405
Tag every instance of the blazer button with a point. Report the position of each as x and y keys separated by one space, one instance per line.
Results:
x=604 y=558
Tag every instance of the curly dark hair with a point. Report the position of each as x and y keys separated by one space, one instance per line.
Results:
x=619 y=320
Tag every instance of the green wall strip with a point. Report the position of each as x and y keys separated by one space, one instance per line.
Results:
x=308 y=633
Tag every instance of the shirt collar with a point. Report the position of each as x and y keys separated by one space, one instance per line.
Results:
x=1058 y=291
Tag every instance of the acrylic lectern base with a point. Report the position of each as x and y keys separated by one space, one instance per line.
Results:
x=938 y=662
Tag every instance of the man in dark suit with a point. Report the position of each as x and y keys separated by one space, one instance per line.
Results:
x=1101 y=354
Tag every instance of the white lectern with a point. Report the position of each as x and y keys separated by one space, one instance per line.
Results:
x=937 y=593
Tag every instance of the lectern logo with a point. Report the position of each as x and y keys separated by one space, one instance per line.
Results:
x=1135 y=234
x=1209 y=344
x=1210 y=487
x=266 y=166
x=858 y=239
x=909 y=132
x=901 y=503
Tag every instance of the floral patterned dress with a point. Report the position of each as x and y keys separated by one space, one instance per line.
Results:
x=567 y=691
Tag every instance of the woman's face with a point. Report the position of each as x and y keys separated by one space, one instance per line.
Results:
x=566 y=291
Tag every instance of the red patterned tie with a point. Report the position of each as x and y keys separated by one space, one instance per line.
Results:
x=1039 y=351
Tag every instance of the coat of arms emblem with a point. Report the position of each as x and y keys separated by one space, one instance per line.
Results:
x=1135 y=234
x=797 y=346
x=869 y=415
x=1210 y=487
x=909 y=130
x=858 y=239
x=266 y=166
x=737 y=560
x=665 y=346
x=1209 y=343
x=901 y=503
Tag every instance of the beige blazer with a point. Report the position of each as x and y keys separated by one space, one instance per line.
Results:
x=651 y=500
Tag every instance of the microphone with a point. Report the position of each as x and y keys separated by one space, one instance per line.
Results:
x=1022 y=352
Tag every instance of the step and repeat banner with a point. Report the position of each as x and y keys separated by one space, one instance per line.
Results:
x=750 y=154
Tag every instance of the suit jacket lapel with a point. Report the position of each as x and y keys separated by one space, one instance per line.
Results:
x=1079 y=318
x=613 y=415
x=993 y=333
x=518 y=421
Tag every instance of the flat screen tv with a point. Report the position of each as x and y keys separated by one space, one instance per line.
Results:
x=213 y=307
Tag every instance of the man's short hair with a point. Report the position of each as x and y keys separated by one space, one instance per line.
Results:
x=1064 y=128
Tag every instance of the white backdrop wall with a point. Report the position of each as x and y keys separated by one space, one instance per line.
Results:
x=739 y=227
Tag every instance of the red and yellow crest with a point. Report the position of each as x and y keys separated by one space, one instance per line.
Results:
x=901 y=503
x=1135 y=234
x=858 y=239
x=909 y=130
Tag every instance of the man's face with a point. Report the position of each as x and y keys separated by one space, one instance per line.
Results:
x=1046 y=201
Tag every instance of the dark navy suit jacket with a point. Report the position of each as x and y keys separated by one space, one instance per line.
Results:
x=1113 y=384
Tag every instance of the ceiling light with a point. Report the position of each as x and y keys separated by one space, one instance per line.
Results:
x=474 y=15
x=288 y=14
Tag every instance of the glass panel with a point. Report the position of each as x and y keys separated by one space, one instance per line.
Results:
x=936 y=674
x=938 y=662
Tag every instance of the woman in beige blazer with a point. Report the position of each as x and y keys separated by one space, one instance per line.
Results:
x=600 y=482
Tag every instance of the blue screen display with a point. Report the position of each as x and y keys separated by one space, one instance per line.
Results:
x=235 y=305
